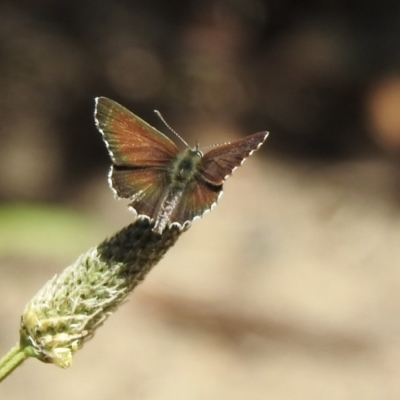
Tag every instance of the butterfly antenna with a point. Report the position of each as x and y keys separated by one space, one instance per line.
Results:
x=173 y=131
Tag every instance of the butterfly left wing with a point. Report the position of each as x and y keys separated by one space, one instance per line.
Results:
x=130 y=140
x=219 y=163
x=144 y=187
x=141 y=156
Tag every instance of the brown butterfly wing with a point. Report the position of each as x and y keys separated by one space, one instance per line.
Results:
x=143 y=186
x=130 y=140
x=200 y=196
x=219 y=163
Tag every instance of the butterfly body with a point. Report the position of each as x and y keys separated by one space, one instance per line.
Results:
x=168 y=186
x=185 y=167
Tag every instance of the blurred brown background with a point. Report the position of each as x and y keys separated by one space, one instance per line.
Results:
x=290 y=288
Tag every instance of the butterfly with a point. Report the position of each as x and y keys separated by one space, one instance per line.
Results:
x=166 y=185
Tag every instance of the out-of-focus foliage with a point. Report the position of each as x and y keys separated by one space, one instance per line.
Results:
x=45 y=232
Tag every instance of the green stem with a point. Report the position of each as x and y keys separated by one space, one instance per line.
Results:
x=12 y=360
x=70 y=307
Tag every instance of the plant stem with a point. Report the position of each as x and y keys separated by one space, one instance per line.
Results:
x=16 y=356
x=69 y=308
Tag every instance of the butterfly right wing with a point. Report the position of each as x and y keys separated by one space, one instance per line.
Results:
x=215 y=166
x=220 y=162
x=196 y=199
x=130 y=140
